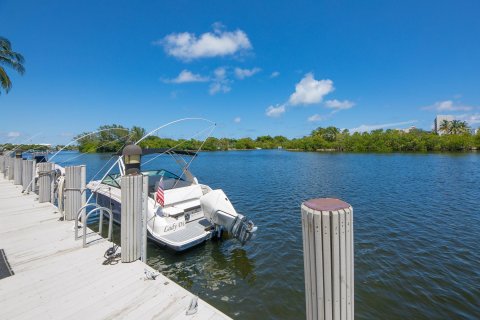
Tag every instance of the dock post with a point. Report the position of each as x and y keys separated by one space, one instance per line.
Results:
x=24 y=173
x=10 y=168
x=134 y=190
x=17 y=175
x=143 y=255
x=5 y=166
x=2 y=163
x=75 y=196
x=33 y=168
x=327 y=227
x=45 y=184
x=28 y=175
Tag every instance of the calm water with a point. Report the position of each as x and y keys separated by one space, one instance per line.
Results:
x=417 y=232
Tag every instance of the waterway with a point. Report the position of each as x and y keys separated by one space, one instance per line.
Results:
x=416 y=223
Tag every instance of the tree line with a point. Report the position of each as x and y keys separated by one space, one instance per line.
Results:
x=457 y=137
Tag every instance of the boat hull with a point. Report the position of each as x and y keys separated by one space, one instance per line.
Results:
x=194 y=233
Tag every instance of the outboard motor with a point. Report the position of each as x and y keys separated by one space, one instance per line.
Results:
x=219 y=211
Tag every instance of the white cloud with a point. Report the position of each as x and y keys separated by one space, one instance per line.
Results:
x=13 y=134
x=220 y=82
x=237 y=120
x=315 y=118
x=187 y=76
x=339 y=105
x=370 y=127
x=276 y=111
x=217 y=87
x=471 y=119
x=188 y=46
x=447 y=105
x=310 y=91
x=245 y=73
x=220 y=73
x=274 y=74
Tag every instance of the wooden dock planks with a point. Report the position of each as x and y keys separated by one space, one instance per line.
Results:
x=55 y=278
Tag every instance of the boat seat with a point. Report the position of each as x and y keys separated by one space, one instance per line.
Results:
x=195 y=203
x=179 y=196
x=173 y=211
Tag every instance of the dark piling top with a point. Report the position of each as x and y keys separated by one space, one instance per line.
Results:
x=326 y=204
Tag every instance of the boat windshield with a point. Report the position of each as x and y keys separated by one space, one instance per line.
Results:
x=112 y=180
x=169 y=180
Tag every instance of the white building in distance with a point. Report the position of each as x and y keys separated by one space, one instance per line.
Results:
x=438 y=122
x=409 y=129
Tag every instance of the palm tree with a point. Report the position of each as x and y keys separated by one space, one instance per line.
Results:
x=136 y=133
x=459 y=127
x=10 y=59
x=445 y=126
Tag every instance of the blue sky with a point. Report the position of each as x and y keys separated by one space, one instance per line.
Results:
x=254 y=67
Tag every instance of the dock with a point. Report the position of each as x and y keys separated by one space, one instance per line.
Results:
x=56 y=278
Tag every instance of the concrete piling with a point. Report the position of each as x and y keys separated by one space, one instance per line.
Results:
x=75 y=196
x=17 y=175
x=10 y=168
x=28 y=172
x=134 y=191
x=2 y=163
x=45 y=181
x=327 y=226
x=5 y=166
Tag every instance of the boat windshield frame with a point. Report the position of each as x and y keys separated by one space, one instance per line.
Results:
x=113 y=179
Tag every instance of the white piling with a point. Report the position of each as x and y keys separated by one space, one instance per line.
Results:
x=17 y=175
x=10 y=168
x=33 y=184
x=2 y=163
x=327 y=226
x=75 y=196
x=27 y=175
x=24 y=173
x=5 y=166
x=134 y=190
x=45 y=181
x=143 y=255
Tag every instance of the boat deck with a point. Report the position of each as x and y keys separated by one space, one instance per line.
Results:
x=55 y=278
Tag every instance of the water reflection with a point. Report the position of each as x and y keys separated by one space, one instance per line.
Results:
x=211 y=265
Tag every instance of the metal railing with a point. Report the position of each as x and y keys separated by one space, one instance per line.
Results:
x=85 y=217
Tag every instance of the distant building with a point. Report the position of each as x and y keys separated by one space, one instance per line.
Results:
x=407 y=130
x=438 y=122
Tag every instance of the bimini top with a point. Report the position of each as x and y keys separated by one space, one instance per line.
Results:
x=165 y=150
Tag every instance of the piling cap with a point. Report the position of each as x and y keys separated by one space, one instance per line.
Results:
x=326 y=204
x=132 y=150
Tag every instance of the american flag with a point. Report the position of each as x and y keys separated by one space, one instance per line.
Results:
x=159 y=196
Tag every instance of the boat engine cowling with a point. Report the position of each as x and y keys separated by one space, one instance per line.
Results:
x=220 y=211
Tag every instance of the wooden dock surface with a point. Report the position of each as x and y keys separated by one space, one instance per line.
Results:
x=55 y=278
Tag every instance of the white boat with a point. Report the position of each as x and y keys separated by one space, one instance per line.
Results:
x=192 y=212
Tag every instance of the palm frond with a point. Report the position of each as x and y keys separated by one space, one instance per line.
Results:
x=14 y=64
x=5 y=80
x=5 y=44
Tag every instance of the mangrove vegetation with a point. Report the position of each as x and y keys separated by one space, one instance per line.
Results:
x=457 y=137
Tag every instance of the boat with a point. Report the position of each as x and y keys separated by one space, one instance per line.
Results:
x=191 y=213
